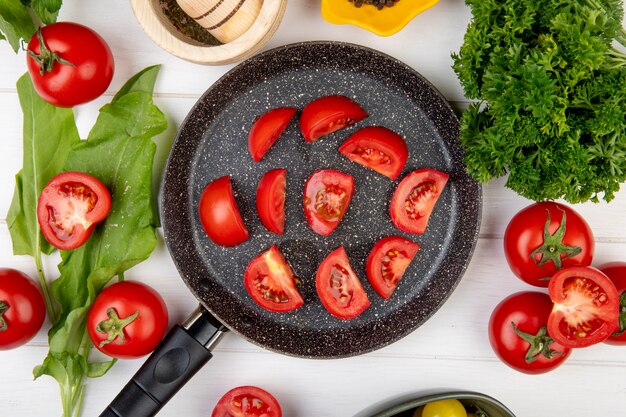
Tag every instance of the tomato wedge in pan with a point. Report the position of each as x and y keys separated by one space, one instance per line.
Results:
x=339 y=288
x=270 y=200
x=69 y=208
x=377 y=148
x=271 y=283
x=414 y=199
x=219 y=214
x=586 y=307
x=329 y=114
x=327 y=195
x=247 y=401
x=387 y=262
x=267 y=129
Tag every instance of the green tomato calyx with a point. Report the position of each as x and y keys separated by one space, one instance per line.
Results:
x=114 y=326
x=553 y=247
x=539 y=344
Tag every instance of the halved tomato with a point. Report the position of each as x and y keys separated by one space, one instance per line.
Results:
x=339 y=288
x=219 y=214
x=377 y=148
x=616 y=271
x=69 y=208
x=414 y=199
x=329 y=114
x=270 y=281
x=247 y=401
x=387 y=261
x=327 y=195
x=267 y=129
x=586 y=307
x=270 y=200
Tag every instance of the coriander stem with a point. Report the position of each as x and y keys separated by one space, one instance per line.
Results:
x=52 y=315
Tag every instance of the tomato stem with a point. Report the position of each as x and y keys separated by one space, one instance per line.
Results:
x=46 y=58
x=45 y=289
x=3 y=308
x=114 y=326
x=553 y=247
x=539 y=344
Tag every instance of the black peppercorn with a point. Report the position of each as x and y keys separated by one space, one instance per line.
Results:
x=378 y=3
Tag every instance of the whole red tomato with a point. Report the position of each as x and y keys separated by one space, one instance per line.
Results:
x=69 y=64
x=127 y=320
x=22 y=308
x=616 y=271
x=545 y=237
x=518 y=333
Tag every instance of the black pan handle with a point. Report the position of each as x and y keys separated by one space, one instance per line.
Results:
x=178 y=357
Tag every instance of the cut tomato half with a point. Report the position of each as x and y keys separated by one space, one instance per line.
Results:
x=329 y=114
x=339 y=288
x=219 y=214
x=377 y=148
x=271 y=283
x=247 y=401
x=69 y=208
x=327 y=195
x=586 y=307
x=387 y=262
x=270 y=200
x=267 y=129
x=414 y=199
x=616 y=271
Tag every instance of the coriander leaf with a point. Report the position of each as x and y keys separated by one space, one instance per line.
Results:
x=15 y=22
x=47 y=10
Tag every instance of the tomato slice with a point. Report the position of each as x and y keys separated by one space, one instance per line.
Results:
x=586 y=307
x=69 y=208
x=247 y=401
x=219 y=214
x=270 y=281
x=377 y=148
x=267 y=129
x=414 y=199
x=387 y=261
x=329 y=114
x=270 y=200
x=616 y=271
x=339 y=288
x=327 y=195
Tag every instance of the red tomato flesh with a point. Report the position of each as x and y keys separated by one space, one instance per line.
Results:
x=127 y=320
x=387 y=262
x=545 y=237
x=414 y=199
x=329 y=114
x=88 y=67
x=616 y=271
x=586 y=307
x=339 y=288
x=327 y=195
x=377 y=148
x=271 y=283
x=270 y=200
x=267 y=129
x=518 y=334
x=247 y=401
x=22 y=308
x=69 y=208
x=219 y=214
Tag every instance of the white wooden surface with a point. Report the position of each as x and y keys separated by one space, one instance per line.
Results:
x=449 y=351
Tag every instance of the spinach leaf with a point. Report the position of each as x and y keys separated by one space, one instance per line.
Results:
x=15 y=22
x=47 y=10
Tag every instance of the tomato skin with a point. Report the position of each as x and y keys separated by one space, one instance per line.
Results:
x=219 y=214
x=377 y=148
x=69 y=208
x=401 y=251
x=329 y=114
x=267 y=129
x=269 y=273
x=444 y=408
x=270 y=200
x=333 y=187
x=247 y=401
x=584 y=299
x=423 y=187
x=67 y=85
x=525 y=234
x=336 y=265
x=616 y=271
x=143 y=334
x=529 y=310
x=24 y=308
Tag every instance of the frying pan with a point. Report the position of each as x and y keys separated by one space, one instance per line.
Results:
x=212 y=142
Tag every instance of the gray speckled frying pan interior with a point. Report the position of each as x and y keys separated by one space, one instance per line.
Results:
x=212 y=142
